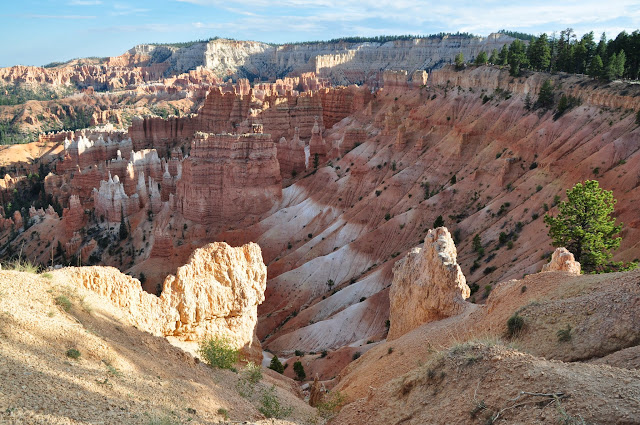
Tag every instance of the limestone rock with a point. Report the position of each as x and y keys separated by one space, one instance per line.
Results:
x=216 y=293
x=562 y=261
x=428 y=285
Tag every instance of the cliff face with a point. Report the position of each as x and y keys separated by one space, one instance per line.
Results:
x=229 y=178
x=215 y=294
x=343 y=63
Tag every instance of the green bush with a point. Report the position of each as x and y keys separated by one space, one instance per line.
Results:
x=72 y=353
x=63 y=302
x=218 y=352
x=515 y=324
x=564 y=335
x=271 y=407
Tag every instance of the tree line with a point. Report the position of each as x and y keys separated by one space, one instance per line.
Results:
x=607 y=59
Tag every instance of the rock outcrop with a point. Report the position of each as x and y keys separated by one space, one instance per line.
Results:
x=427 y=285
x=562 y=261
x=215 y=294
x=229 y=177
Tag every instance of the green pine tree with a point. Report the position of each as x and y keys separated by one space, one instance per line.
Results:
x=481 y=59
x=595 y=67
x=545 y=97
x=585 y=227
x=276 y=365
x=459 y=61
x=439 y=222
x=493 y=59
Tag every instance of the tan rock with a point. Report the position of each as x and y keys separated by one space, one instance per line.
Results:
x=428 y=285
x=215 y=294
x=562 y=261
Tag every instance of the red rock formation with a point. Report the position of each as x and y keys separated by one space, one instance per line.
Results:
x=291 y=156
x=317 y=146
x=73 y=218
x=229 y=177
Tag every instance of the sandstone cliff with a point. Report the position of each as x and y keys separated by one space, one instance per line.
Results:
x=215 y=294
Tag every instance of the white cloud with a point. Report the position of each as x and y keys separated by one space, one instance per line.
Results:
x=480 y=17
x=85 y=2
x=59 y=17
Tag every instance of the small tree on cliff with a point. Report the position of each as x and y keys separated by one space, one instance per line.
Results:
x=439 y=222
x=299 y=370
x=276 y=365
x=482 y=58
x=459 y=61
x=123 y=232
x=584 y=226
x=545 y=97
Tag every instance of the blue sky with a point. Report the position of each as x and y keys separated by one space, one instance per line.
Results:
x=36 y=32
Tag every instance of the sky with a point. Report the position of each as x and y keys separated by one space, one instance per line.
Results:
x=36 y=32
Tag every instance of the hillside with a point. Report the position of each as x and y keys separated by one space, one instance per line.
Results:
x=122 y=375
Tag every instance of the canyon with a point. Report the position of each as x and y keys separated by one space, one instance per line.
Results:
x=298 y=216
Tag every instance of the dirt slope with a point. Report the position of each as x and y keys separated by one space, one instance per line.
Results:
x=123 y=375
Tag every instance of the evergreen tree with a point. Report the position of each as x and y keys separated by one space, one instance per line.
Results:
x=539 y=53
x=276 y=365
x=123 y=232
x=596 y=67
x=299 y=370
x=459 y=61
x=482 y=58
x=503 y=56
x=517 y=57
x=493 y=59
x=615 y=68
x=585 y=227
x=439 y=222
x=545 y=97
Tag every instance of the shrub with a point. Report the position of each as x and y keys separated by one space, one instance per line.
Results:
x=299 y=353
x=218 y=352
x=72 y=353
x=515 y=324
x=224 y=412
x=564 y=335
x=276 y=365
x=299 y=370
x=489 y=270
x=252 y=372
x=330 y=405
x=387 y=216
x=356 y=355
x=271 y=407
x=324 y=354
x=63 y=302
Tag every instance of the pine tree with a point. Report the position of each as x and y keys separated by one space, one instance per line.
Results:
x=299 y=370
x=539 y=53
x=595 y=67
x=493 y=59
x=517 y=57
x=459 y=61
x=503 y=56
x=276 y=365
x=585 y=227
x=123 y=232
x=439 y=222
x=545 y=97
x=482 y=58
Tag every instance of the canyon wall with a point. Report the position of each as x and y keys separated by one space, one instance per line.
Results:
x=228 y=178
